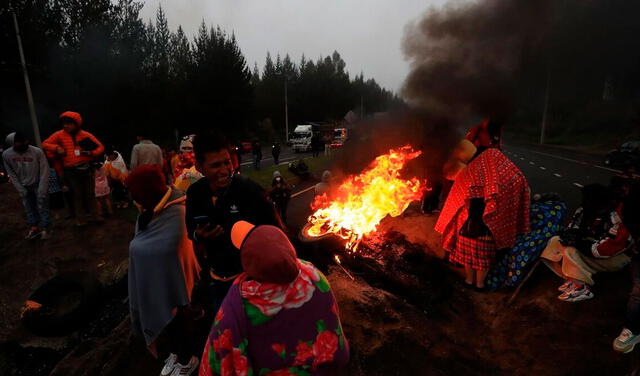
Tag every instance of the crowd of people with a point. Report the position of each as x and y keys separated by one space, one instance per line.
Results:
x=490 y=226
x=210 y=248
x=209 y=254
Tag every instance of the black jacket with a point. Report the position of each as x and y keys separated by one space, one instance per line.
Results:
x=242 y=200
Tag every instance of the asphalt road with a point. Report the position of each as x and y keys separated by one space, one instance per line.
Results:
x=558 y=170
x=286 y=155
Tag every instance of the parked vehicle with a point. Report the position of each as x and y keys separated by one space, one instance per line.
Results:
x=340 y=136
x=301 y=140
x=627 y=154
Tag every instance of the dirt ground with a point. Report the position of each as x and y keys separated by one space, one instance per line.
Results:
x=408 y=315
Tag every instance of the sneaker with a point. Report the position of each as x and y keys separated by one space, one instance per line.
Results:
x=568 y=285
x=576 y=294
x=626 y=341
x=169 y=365
x=186 y=370
x=45 y=235
x=33 y=233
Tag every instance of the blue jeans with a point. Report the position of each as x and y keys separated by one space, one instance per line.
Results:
x=632 y=320
x=36 y=208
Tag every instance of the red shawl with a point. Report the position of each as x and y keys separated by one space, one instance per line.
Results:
x=505 y=190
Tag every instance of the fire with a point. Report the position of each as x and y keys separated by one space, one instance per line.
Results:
x=362 y=201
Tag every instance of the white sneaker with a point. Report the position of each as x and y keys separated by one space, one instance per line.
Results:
x=576 y=294
x=45 y=235
x=568 y=285
x=626 y=341
x=33 y=233
x=169 y=365
x=186 y=370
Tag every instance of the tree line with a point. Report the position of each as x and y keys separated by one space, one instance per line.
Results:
x=127 y=76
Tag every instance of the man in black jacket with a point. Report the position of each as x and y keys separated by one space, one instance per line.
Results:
x=214 y=204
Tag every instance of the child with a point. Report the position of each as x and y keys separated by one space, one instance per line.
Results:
x=280 y=194
x=102 y=190
x=116 y=174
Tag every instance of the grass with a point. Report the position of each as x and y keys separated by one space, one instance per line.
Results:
x=264 y=176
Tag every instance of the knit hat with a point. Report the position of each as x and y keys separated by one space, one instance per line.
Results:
x=266 y=253
x=74 y=116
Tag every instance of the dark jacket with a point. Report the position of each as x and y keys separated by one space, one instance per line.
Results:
x=242 y=200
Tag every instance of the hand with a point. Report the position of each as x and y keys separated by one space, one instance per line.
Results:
x=209 y=232
x=60 y=150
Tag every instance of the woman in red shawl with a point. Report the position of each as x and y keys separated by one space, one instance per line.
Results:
x=488 y=205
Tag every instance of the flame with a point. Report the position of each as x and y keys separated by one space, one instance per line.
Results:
x=362 y=201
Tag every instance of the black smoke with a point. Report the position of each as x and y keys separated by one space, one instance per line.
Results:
x=499 y=57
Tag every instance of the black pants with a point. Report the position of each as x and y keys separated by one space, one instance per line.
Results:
x=632 y=319
x=180 y=332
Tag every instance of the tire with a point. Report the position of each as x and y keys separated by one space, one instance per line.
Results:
x=68 y=301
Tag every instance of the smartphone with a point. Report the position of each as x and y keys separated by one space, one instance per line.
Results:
x=202 y=219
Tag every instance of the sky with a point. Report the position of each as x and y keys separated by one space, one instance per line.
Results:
x=367 y=33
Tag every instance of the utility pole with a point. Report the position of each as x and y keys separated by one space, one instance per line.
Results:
x=286 y=111
x=361 y=108
x=546 y=106
x=32 y=109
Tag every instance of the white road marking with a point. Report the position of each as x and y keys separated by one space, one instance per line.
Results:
x=531 y=163
x=522 y=159
x=557 y=175
x=302 y=191
x=543 y=168
x=578 y=185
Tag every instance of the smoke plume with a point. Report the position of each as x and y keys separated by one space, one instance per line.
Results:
x=499 y=57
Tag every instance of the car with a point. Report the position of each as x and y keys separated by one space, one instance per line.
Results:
x=627 y=154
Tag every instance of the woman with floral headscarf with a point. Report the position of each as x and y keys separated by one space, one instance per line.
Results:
x=280 y=316
x=185 y=172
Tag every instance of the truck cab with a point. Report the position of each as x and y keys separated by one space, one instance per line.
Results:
x=301 y=140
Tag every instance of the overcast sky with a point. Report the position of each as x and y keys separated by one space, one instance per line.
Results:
x=367 y=33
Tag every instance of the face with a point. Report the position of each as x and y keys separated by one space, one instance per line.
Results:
x=70 y=127
x=112 y=157
x=186 y=148
x=217 y=168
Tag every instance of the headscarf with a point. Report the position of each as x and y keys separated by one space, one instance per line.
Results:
x=266 y=253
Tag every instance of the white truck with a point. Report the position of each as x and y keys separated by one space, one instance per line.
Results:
x=301 y=140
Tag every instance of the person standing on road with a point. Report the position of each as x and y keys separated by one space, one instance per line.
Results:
x=280 y=195
x=78 y=149
x=214 y=204
x=257 y=154
x=275 y=152
x=145 y=152
x=28 y=169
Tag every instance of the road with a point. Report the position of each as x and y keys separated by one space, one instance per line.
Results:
x=286 y=155
x=558 y=170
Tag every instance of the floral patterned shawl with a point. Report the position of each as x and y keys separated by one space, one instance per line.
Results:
x=270 y=329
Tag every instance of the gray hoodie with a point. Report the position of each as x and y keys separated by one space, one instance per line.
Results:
x=27 y=169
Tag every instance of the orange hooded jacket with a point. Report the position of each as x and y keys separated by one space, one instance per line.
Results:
x=70 y=142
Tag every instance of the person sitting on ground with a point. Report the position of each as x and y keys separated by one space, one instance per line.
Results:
x=279 y=317
x=214 y=204
x=487 y=207
x=162 y=269
x=28 y=170
x=630 y=334
x=594 y=241
x=78 y=148
x=280 y=194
